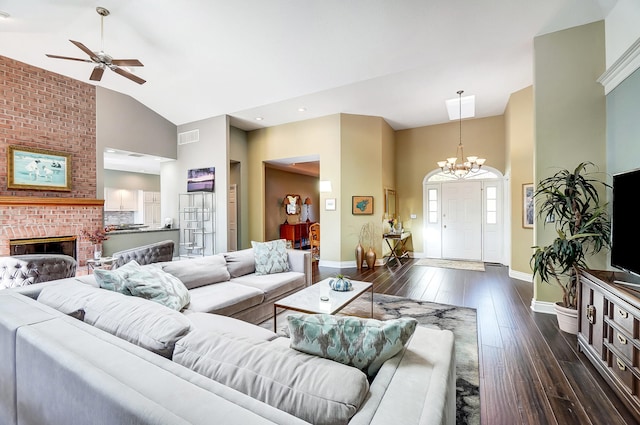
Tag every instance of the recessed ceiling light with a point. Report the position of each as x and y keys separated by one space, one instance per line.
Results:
x=259 y=118
x=302 y=109
x=4 y=15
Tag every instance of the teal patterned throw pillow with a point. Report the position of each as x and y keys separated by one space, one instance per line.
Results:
x=363 y=343
x=115 y=280
x=152 y=283
x=271 y=257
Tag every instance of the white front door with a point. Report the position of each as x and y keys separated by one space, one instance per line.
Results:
x=462 y=220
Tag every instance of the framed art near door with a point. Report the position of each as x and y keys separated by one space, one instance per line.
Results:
x=527 y=206
x=362 y=205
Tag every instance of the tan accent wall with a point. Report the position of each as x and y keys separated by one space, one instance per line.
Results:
x=320 y=136
x=419 y=149
x=570 y=114
x=519 y=147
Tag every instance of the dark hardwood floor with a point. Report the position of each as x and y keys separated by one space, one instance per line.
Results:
x=530 y=371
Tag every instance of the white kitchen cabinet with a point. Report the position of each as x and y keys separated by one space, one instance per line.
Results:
x=116 y=199
x=151 y=207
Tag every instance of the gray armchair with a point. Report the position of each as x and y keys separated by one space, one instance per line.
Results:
x=21 y=270
x=146 y=254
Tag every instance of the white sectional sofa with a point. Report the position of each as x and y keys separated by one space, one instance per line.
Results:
x=129 y=360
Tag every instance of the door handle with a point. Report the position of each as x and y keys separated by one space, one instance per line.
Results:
x=591 y=314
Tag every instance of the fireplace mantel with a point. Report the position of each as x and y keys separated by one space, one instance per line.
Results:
x=30 y=200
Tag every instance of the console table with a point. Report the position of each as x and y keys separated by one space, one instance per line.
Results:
x=609 y=331
x=297 y=233
x=396 y=242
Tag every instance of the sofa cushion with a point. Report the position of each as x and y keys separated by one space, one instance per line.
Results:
x=115 y=280
x=226 y=298
x=270 y=257
x=314 y=389
x=209 y=322
x=139 y=321
x=363 y=343
x=240 y=263
x=273 y=286
x=199 y=271
x=153 y=284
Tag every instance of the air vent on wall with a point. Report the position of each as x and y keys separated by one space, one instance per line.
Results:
x=188 y=137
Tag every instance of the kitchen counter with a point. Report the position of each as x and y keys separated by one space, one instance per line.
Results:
x=140 y=230
x=120 y=240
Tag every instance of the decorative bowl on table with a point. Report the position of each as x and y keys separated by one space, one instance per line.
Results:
x=340 y=283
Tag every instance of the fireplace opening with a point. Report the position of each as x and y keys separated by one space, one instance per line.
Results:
x=52 y=245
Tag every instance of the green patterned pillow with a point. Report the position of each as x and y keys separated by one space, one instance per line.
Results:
x=363 y=343
x=271 y=257
x=115 y=280
x=152 y=283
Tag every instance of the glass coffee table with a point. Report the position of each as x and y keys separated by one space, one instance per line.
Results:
x=308 y=299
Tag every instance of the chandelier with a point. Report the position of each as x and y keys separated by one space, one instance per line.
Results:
x=462 y=168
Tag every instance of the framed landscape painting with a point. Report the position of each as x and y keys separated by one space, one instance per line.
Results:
x=362 y=205
x=38 y=169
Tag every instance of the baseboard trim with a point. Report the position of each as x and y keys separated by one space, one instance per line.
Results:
x=527 y=277
x=543 y=306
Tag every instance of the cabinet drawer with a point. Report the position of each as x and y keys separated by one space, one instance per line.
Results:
x=621 y=342
x=622 y=317
x=622 y=371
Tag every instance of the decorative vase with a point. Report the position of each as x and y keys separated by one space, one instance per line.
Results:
x=359 y=256
x=567 y=319
x=370 y=258
x=97 y=251
x=340 y=284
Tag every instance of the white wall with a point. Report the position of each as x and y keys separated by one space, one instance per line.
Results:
x=622 y=29
x=211 y=151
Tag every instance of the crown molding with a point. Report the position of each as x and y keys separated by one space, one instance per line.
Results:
x=626 y=65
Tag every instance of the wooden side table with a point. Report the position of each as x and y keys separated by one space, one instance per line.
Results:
x=399 y=242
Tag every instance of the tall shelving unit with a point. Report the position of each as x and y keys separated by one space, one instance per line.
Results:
x=196 y=213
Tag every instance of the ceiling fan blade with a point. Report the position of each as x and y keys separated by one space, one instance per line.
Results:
x=86 y=50
x=128 y=75
x=126 y=62
x=66 y=57
x=96 y=75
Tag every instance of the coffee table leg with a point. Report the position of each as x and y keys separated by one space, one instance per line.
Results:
x=372 y=300
x=274 y=318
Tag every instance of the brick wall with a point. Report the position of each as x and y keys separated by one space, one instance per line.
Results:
x=44 y=110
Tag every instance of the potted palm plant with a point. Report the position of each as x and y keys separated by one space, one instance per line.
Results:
x=570 y=200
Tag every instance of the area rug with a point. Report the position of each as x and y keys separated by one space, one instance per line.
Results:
x=451 y=264
x=459 y=320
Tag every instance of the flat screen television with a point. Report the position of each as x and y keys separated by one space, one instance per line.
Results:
x=625 y=222
x=201 y=179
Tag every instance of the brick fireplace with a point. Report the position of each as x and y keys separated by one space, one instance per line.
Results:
x=22 y=218
x=44 y=110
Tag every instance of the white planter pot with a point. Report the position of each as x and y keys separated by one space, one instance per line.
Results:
x=567 y=319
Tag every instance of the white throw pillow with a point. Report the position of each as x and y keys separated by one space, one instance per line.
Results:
x=154 y=284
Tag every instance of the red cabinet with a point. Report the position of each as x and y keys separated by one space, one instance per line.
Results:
x=297 y=233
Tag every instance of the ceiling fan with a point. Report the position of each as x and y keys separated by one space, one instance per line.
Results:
x=103 y=60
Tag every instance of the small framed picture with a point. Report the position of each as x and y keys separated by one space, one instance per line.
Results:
x=330 y=204
x=38 y=169
x=362 y=205
x=527 y=206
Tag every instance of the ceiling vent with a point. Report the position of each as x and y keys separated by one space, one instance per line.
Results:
x=188 y=137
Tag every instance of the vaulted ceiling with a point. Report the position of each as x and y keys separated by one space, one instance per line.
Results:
x=284 y=60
